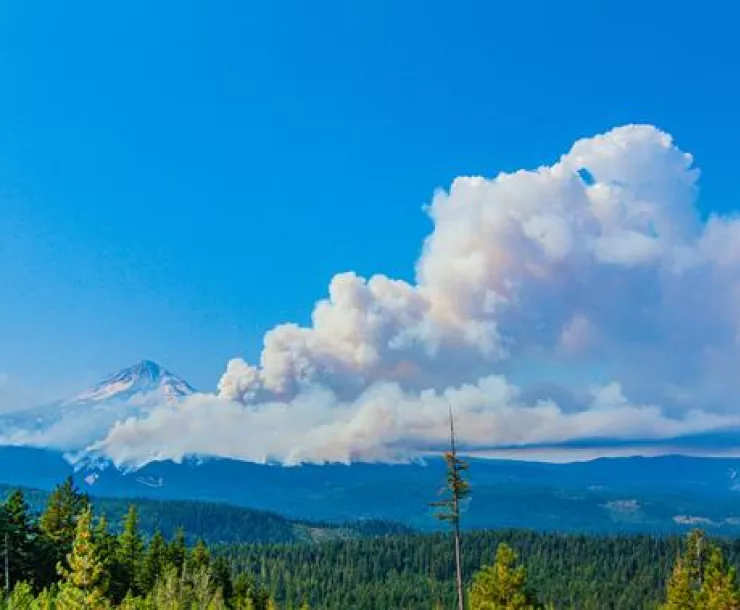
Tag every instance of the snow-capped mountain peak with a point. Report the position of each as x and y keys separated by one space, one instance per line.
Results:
x=74 y=423
x=144 y=377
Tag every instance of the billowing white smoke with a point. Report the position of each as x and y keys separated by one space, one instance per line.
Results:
x=597 y=271
x=609 y=263
x=386 y=423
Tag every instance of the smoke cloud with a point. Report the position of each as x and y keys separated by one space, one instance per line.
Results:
x=542 y=300
x=386 y=423
x=601 y=256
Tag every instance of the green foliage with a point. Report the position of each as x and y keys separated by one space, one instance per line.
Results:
x=501 y=586
x=21 y=536
x=177 y=550
x=85 y=579
x=22 y=597
x=416 y=572
x=221 y=574
x=57 y=522
x=200 y=558
x=167 y=592
x=155 y=561
x=448 y=509
x=130 y=551
x=46 y=600
x=701 y=579
x=247 y=595
x=680 y=593
x=107 y=545
x=456 y=489
x=719 y=590
x=217 y=523
x=103 y=569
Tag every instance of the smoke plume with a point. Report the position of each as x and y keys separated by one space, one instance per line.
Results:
x=583 y=300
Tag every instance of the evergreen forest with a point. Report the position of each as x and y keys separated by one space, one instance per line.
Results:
x=66 y=555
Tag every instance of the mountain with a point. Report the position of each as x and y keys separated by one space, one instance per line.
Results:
x=654 y=495
x=79 y=419
x=622 y=494
x=143 y=378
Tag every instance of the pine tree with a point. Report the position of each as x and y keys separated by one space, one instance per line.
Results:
x=719 y=590
x=221 y=574
x=21 y=597
x=154 y=563
x=107 y=545
x=83 y=585
x=243 y=591
x=130 y=551
x=57 y=524
x=200 y=557
x=701 y=580
x=168 y=592
x=695 y=557
x=58 y=521
x=46 y=600
x=177 y=550
x=249 y=596
x=501 y=586
x=680 y=594
x=202 y=593
x=458 y=489
x=20 y=535
x=134 y=603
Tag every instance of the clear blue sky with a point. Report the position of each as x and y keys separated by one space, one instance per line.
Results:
x=178 y=177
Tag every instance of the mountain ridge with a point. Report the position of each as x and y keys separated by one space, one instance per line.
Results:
x=610 y=495
x=217 y=522
x=141 y=377
x=131 y=392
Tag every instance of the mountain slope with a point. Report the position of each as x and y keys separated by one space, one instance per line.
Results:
x=143 y=378
x=72 y=423
x=218 y=523
x=666 y=494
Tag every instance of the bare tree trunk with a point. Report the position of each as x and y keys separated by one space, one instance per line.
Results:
x=456 y=489
x=458 y=564
x=456 y=512
x=7 y=563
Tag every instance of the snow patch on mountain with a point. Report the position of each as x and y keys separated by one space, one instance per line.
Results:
x=145 y=377
x=72 y=423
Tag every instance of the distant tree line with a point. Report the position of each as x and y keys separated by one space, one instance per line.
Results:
x=417 y=572
x=217 y=523
x=68 y=557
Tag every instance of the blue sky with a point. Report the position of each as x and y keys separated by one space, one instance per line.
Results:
x=178 y=177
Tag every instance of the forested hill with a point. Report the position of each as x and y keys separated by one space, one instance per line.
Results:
x=668 y=494
x=218 y=523
x=68 y=557
x=416 y=572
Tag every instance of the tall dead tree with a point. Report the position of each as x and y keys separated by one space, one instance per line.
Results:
x=456 y=489
x=6 y=557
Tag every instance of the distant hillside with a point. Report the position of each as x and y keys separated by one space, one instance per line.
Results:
x=218 y=523
x=669 y=494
